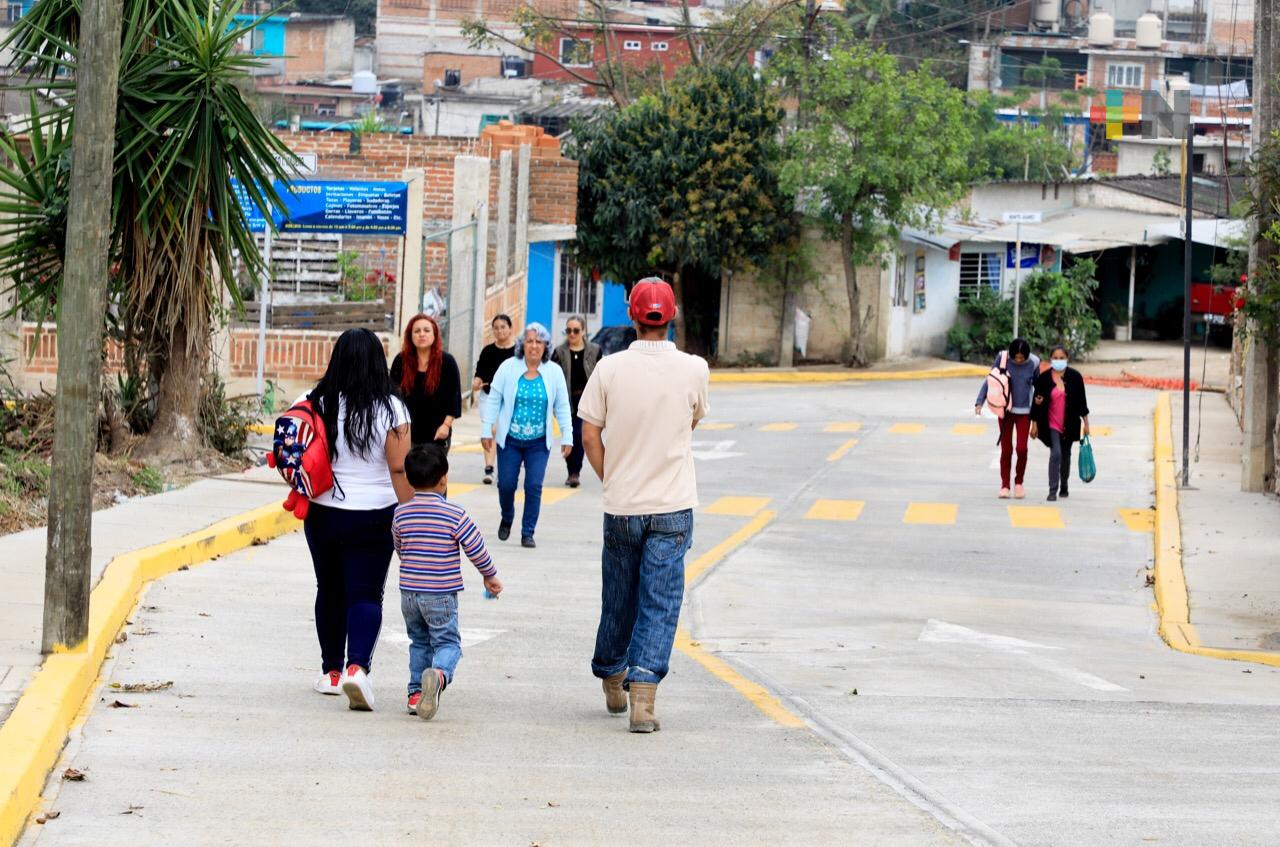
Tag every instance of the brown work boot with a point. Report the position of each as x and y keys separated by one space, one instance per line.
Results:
x=615 y=699
x=642 y=717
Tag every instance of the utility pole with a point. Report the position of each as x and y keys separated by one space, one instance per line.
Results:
x=1188 y=251
x=787 y=346
x=82 y=306
x=1258 y=459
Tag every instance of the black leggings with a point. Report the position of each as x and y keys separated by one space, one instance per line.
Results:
x=1059 y=461
x=351 y=551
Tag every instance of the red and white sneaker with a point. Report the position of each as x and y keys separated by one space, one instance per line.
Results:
x=413 y=702
x=432 y=686
x=329 y=683
x=355 y=684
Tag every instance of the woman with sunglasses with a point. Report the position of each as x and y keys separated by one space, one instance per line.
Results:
x=577 y=357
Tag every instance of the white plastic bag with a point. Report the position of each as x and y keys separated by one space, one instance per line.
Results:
x=802 y=332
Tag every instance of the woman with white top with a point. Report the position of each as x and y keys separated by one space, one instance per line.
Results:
x=348 y=528
x=527 y=393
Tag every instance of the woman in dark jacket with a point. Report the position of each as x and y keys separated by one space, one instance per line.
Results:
x=1059 y=416
x=577 y=357
x=428 y=380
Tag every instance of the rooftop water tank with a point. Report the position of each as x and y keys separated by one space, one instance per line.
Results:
x=1150 y=31
x=1102 y=30
x=364 y=82
x=1047 y=12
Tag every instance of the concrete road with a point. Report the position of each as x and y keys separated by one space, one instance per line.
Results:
x=964 y=672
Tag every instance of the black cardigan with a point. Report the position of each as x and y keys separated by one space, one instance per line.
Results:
x=1077 y=404
x=428 y=411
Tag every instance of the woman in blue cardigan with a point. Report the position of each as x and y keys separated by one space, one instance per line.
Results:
x=527 y=393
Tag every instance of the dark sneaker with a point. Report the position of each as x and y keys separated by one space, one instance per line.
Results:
x=504 y=531
x=488 y=475
x=1062 y=492
x=573 y=481
x=1052 y=497
x=528 y=541
x=432 y=685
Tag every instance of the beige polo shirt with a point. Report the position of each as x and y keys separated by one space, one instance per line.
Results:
x=646 y=398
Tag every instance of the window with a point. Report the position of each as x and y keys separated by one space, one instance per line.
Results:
x=578 y=291
x=15 y=12
x=631 y=45
x=900 y=282
x=1124 y=76
x=575 y=53
x=658 y=46
x=1035 y=68
x=978 y=270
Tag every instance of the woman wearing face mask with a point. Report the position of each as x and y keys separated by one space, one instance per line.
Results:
x=1059 y=416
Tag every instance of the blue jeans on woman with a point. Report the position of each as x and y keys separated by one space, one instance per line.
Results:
x=642 y=567
x=434 y=640
x=533 y=455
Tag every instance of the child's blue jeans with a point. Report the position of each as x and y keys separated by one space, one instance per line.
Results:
x=434 y=639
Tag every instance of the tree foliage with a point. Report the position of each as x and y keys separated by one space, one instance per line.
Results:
x=1032 y=147
x=681 y=179
x=882 y=149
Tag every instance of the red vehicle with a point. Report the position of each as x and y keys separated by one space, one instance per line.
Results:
x=1213 y=304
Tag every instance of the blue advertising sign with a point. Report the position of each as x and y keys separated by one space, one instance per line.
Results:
x=357 y=208
x=257 y=221
x=1030 y=254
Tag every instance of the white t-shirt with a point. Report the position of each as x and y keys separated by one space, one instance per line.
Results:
x=365 y=481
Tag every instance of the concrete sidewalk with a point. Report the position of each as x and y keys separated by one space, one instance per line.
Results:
x=137 y=523
x=1229 y=537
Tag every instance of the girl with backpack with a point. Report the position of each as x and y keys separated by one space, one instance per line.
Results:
x=348 y=527
x=1059 y=416
x=1007 y=391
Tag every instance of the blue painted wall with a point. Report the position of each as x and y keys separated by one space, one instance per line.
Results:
x=615 y=304
x=272 y=30
x=541 y=283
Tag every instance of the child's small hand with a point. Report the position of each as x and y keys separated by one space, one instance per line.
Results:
x=493 y=584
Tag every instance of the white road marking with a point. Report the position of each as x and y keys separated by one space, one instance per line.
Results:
x=941 y=632
x=713 y=450
x=470 y=637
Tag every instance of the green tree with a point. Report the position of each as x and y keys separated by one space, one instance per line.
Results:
x=1022 y=149
x=883 y=149
x=183 y=132
x=681 y=180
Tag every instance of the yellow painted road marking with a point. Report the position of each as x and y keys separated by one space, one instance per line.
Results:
x=1138 y=520
x=742 y=507
x=969 y=429
x=550 y=496
x=778 y=427
x=846 y=426
x=712 y=557
x=906 y=429
x=457 y=489
x=931 y=513
x=842 y=449
x=1035 y=517
x=835 y=510
x=754 y=693
x=1101 y=431
x=466 y=448
x=715 y=426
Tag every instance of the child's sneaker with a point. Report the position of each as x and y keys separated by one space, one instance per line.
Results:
x=329 y=683
x=358 y=690
x=414 y=699
x=432 y=686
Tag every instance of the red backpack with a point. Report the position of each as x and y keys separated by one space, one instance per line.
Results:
x=998 y=386
x=300 y=451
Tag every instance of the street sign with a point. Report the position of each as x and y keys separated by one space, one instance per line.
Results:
x=357 y=208
x=1021 y=217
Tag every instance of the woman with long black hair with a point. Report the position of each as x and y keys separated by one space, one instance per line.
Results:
x=428 y=381
x=348 y=528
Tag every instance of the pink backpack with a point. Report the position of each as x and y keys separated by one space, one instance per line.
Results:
x=998 y=397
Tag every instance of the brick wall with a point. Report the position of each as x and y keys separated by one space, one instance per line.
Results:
x=40 y=349
x=472 y=67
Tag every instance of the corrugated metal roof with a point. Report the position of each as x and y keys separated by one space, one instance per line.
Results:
x=1087 y=230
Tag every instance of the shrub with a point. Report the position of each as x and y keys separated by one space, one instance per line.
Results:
x=224 y=420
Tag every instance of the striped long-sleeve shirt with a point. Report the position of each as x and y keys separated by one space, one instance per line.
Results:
x=428 y=530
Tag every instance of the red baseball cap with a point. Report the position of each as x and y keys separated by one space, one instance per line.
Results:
x=653 y=303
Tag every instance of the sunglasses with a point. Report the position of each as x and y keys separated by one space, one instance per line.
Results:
x=573 y=330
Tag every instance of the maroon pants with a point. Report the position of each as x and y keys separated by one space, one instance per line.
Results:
x=1009 y=424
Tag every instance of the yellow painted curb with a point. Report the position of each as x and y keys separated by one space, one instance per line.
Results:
x=33 y=735
x=261 y=429
x=800 y=377
x=1172 y=603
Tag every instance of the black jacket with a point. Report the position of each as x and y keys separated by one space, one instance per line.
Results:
x=1077 y=404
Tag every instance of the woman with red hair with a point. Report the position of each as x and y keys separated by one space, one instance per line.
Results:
x=428 y=381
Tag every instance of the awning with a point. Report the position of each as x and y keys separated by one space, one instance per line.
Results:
x=951 y=234
x=1218 y=232
x=1086 y=230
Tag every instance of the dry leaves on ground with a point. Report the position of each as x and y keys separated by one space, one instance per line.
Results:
x=73 y=775
x=137 y=687
x=119 y=705
x=48 y=816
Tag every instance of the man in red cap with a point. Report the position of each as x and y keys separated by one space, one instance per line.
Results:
x=648 y=399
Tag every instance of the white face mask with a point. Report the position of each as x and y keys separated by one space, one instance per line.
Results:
x=1058 y=365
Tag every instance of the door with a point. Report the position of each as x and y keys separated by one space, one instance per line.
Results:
x=576 y=293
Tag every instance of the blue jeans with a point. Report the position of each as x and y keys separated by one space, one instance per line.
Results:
x=642 y=567
x=533 y=455
x=434 y=639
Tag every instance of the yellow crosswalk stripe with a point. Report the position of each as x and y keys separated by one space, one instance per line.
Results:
x=845 y=426
x=931 y=513
x=457 y=489
x=778 y=427
x=742 y=507
x=969 y=429
x=1036 y=517
x=1101 y=431
x=551 y=496
x=1138 y=520
x=835 y=510
x=842 y=449
x=906 y=429
x=715 y=426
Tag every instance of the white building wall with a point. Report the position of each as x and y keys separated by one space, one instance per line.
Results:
x=910 y=332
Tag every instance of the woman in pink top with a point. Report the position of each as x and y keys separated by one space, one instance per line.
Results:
x=1059 y=416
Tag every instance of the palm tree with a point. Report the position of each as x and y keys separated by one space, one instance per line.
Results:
x=183 y=132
